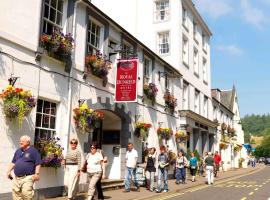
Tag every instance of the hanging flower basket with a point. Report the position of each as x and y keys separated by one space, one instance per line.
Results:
x=223 y=146
x=172 y=157
x=150 y=91
x=50 y=151
x=142 y=130
x=17 y=102
x=86 y=119
x=97 y=65
x=58 y=45
x=181 y=136
x=170 y=101
x=164 y=133
x=237 y=148
x=223 y=126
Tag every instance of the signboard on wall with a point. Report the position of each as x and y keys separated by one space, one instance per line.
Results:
x=126 y=80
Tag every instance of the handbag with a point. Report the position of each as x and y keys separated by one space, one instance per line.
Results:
x=84 y=167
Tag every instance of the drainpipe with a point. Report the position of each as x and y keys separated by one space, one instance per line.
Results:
x=69 y=107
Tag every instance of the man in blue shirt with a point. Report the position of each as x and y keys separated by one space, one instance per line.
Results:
x=26 y=164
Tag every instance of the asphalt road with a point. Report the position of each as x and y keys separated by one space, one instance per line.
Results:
x=255 y=186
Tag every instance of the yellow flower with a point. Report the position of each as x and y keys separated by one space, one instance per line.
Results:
x=9 y=87
x=84 y=107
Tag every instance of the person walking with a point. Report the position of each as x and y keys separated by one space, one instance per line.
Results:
x=150 y=168
x=209 y=166
x=163 y=163
x=131 y=163
x=181 y=163
x=193 y=164
x=94 y=162
x=26 y=165
x=201 y=166
x=217 y=160
x=72 y=163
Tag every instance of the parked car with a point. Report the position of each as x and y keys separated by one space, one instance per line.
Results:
x=261 y=160
x=267 y=161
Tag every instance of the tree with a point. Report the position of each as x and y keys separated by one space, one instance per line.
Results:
x=264 y=149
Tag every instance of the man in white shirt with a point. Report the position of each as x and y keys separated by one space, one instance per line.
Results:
x=131 y=162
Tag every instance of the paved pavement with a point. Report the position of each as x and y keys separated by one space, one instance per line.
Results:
x=199 y=189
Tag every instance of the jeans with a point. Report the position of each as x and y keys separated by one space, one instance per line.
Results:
x=210 y=174
x=150 y=177
x=128 y=177
x=253 y=163
x=180 y=174
x=162 y=174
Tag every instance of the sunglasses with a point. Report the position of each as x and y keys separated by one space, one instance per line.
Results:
x=73 y=143
x=93 y=147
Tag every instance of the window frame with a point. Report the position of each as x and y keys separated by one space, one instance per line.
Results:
x=195 y=31
x=165 y=36
x=42 y=113
x=166 y=10
x=185 y=18
x=89 y=34
x=185 y=50
x=197 y=101
x=185 y=96
x=196 y=61
x=204 y=69
x=147 y=70
x=205 y=106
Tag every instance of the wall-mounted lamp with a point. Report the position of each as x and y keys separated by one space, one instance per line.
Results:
x=81 y=101
x=12 y=80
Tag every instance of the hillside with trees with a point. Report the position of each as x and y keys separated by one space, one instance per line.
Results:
x=258 y=125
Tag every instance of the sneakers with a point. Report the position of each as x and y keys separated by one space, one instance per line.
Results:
x=165 y=191
x=157 y=191
x=125 y=191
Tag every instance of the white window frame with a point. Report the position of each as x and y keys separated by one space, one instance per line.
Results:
x=185 y=96
x=163 y=42
x=215 y=112
x=185 y=50
x=222 y=117
x=47 y=115
x=96 y=46
x=205 y=78
x=126 y=48
x=185 y=17
x=197 y=102
x=165 y=10
x=195 y=31
x=204 y=43
x=147 y=63
x=53 y=22
x=196 y=61
x=167 y=80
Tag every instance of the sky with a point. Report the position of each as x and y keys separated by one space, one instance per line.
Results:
x=240 y=49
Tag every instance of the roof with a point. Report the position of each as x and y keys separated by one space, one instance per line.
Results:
x=227 y=97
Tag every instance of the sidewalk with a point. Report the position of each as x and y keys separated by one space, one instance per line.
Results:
x=145 y=194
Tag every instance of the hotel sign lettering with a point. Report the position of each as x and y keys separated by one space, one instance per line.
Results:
x=126 y=81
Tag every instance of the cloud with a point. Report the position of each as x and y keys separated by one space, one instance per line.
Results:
x=267 y=2
x=252 y=15
x=230 y=49
x=214 y=8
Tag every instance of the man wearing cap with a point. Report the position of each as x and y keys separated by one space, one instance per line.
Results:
x=209 y=166
x=26 y=164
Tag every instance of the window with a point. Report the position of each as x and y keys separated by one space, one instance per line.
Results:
x=197 y=102
x=204 y=70
x=162 y=10
x=127 y=50
x=45 y=119
x=93 y=37
x=204 y=43
x=185 y=97
x=185 y=50
x=52 y=18
x=167 y=79
x=163 y=43
x=222 y=117
x=185 y=17
x=205 y=107
x=195 y=31
x=146 y=70
x=215 y=112
x=196 y=61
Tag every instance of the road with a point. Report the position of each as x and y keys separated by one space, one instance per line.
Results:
x=255 y=186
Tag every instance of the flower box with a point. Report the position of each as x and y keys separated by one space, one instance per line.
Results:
x=97 y=65
x=58 y=46
x=17 y=102
x=86 y=119
x=142 y=130
x=150 y=91
x=50 y=151
x=181 y=136
x=170 y=101
x=164 y=133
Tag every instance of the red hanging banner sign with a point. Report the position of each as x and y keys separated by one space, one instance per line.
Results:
x=126 y=81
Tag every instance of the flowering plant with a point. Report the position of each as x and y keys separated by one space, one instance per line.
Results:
x=141 y=129
x=223 y=145
x=50 y=151
x=181 y=136
x=86 y=119
x=164 y=133
x=98 y=66
x=17 y=102
x=170 y=101
x=223 y=126
x=58 y=45
x=150 y=91
x=237 y=148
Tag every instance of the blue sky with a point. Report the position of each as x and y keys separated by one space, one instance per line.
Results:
x=240 y=49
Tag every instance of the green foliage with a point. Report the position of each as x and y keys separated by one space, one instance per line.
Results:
x=258 y=125
x=264 y=149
